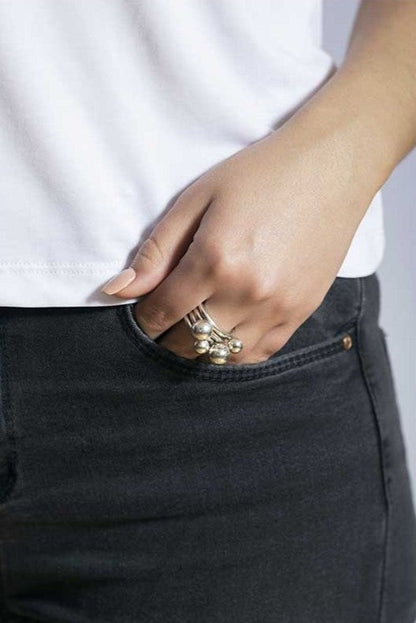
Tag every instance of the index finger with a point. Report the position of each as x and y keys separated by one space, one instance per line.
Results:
x=178 y=294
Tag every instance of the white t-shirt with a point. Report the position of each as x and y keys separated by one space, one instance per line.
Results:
x=109 y=108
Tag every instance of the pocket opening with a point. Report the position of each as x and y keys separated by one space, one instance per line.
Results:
x=342 y=342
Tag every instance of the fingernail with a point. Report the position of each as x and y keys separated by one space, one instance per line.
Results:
x=119 y=281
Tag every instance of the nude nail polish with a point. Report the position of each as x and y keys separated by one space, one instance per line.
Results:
x=119 y=281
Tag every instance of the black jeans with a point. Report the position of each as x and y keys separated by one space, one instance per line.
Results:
x=137 y=486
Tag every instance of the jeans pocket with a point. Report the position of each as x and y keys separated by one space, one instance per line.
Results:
x=328 y=332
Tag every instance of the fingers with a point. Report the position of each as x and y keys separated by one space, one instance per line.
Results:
x=259 y=341
x=251 y=324
x=178 y=269
x=163 y=249
x=161 y=313
x=179 y=340
x=182 y=290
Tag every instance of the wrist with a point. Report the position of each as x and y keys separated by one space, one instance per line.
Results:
x=349 y=117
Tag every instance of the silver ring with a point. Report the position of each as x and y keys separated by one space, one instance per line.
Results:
x=209 y=338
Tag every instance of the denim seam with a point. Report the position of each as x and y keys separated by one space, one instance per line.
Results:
x=375 y=406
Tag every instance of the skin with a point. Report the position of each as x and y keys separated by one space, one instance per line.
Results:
x=261 y=236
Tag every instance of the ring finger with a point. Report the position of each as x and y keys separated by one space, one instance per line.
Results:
x=179 y=338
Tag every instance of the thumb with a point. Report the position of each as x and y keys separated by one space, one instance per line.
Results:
x=162 y=250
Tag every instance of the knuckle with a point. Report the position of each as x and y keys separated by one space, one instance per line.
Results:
x=228 y=268
x=225 y=272
x=219 y=263
x=211 y=252
x=257 y=289
x=150 y=251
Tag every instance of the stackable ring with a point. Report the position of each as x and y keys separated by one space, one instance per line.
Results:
x=209 y=338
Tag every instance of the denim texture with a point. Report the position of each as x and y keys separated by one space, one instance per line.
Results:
x=137 y=486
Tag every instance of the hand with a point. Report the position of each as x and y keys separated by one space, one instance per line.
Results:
x=260 y=237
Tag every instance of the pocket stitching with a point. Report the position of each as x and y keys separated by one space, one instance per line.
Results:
x=269 y=367
x=375 y=409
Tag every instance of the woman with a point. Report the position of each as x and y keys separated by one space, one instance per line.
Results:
x=198 y=417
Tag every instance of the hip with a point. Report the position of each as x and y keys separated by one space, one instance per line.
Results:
x=194 y=490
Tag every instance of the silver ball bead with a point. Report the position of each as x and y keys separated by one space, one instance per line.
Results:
x=202 y=346
x=201 y=329
x=235 y=345
x=219 y=353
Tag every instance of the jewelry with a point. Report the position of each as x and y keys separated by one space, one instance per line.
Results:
x=209 y=338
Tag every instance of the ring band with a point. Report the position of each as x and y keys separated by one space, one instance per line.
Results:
x=209 y=338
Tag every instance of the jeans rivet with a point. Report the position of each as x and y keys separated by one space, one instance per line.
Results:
x=347 y=342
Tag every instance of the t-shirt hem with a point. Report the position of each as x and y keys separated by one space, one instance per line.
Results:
x=57 y=285
x=79 y=285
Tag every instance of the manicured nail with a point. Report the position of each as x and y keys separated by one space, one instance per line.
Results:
x=119 y=281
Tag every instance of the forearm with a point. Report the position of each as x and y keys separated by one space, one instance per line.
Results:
x=365 y=114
